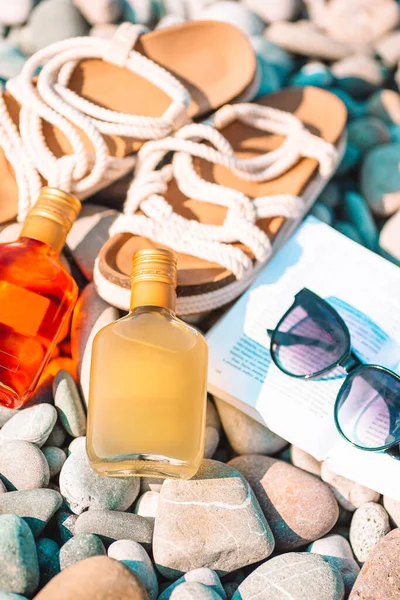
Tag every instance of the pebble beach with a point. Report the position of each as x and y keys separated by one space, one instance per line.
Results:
x=261 y=519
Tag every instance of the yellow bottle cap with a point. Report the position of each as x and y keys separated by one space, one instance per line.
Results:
x=156 y=265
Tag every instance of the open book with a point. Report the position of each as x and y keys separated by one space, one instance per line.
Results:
x=365 y=289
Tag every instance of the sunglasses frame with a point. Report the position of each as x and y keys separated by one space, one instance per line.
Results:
x=349 y=362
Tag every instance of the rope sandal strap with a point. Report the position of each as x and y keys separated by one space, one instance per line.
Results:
x=51 y=100
x=159 y=222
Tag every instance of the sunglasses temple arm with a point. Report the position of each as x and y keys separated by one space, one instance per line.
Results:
x=291 y=339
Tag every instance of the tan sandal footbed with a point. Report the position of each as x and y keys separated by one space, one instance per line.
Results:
x=214 y=61
x=322 y=112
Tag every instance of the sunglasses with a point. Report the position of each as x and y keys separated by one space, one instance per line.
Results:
x=310 y=340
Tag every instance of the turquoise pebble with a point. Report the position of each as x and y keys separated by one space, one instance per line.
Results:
x=313 y=73
x=19 y=568
x=354 y=108
x=367 y=133
x=11 y=60
x=274 y=56
x=357 y=212
x=394 y=132
x=322 y=212
x=386 y=255
x=331 y=195
x=269 y=81
x=349 y=231
x=11 y=596
x=350 y=159
x=48 y=556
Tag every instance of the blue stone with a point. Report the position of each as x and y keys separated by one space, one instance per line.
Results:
x=322 y=212
x=349 y=231
x=357 y=212
x=269 y=54
x=354 y=108
x=350 y=159
x=313 y=73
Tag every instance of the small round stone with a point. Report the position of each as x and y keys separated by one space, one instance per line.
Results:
x=57 y=437
x=134 y=556
x=370 y=523
x=36 y=507
x=204 y=576
x=19 y=568
x=56 y=457
x=16 y=12
x=66 y=523
x=77 y=443
x=284 y=10
x=380 y=179
x=23 y=466
x=393 y=509
x=113 y=525
x=48 y=557
x=69 y=404
x=211 y=442
x=6 y=414
x=83 y=489
x=97 y=578
x=337 y=551
x=235 y=13
x=359 y=74
x=194 y=591
x=32 y=425
x=385 y=105
x=101 y=11
x=146 y=505
x=305 y=461
x=349 y=494
x=82 y=546
x=367 y=133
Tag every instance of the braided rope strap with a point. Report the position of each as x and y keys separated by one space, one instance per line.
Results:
x=214 y=243
x=50 y=100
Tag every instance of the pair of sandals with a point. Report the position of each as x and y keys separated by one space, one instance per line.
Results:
x=224 y=193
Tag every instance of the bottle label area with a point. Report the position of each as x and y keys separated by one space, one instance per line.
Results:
x=22 y=309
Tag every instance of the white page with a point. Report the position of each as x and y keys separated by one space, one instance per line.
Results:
x=363 y=287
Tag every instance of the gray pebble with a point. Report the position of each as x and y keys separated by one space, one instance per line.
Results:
x=66 y=523
x=367 y=133
x=194 y=591
x=101 y=11
x=69 y=404
x=233 y=12
x=284 y=10
x=76 y=444
x=23 y=466
x=146 y=505
x=36 y=507
x=305 y=461
x=113 y=525
x=48 y=557
x=6 y=414
x=151 y=484
x=359 y=74
x=32 y=424
x=16 y=12
x=380 y=179
x=82 y=546
x=385 y=104
x=370 y=523
x=393 y=509
x=82 y=488
x=57 y=437
x=211 y=442
x=134 y=556
x=337 y=551
x=56 y=457
x=388 y=49
x=19 y=568
x=297 y=575
x=204 y=576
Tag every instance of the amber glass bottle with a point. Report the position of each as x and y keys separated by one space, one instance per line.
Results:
x=37 y=294
x=147 y=399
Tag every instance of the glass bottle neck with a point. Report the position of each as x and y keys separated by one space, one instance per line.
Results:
x=45 y=230
x=153 y=293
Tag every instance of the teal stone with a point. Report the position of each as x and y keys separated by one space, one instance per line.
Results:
x=36 y=507
x=19 y=568
x=355 y=108
x=313 y=73
x=80 y=547
x=357 y=212
x=350 y=159
x=367 y=133
x=349 y=231
x=331 y=195
x=48 y=557
x=11 y=596
x=273 y=56
x=322 y=212
x=269 y=81
x=394 y=132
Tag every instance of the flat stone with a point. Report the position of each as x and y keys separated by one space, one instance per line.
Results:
x=234 y=13
x=57 y=437
x=36 y=507
x=101 y=11
x=19 y=568
x=203 y=576
x=32 y=425
x=112 y=525
x=389 y=238
x=194 y=591
x=82 y=546
x=90 y=231
x=146 y=505
x=56 y=457
x=48 y=557
x=349 y=494
x=69 y=405
x=66 y=523
x=98 y=577
x=134 y=556
x=370 y=523
x=296 y=575
x=380 y=179
x=90 y=315
x=367 y=133
x=393 y=509
x=336 y=550
x=298 y=507
x=15 y=13
x=211 y=520
x=305 y=461
x=84 y=489
x=51 y=21
x=306 y=39
x=380 y=575
x=23 y=466
x=358 y=74
x=284 y=10
x=245 y=435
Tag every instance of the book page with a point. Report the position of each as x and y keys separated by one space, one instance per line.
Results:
x=361 y=286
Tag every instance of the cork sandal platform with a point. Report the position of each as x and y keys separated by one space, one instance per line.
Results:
x=78 y=124
x=232 y=193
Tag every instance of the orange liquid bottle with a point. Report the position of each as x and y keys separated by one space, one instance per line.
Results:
x=37 y=295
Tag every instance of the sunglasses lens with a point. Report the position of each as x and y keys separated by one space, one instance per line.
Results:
x=309 y=339
x=368 y=408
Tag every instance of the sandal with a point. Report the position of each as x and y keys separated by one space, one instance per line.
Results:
x=233 y=192
x=96 y=101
